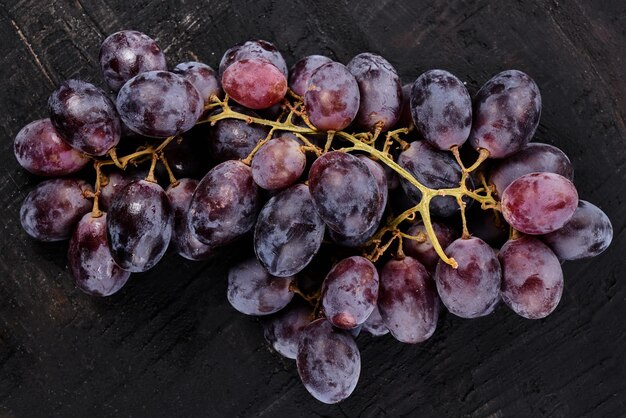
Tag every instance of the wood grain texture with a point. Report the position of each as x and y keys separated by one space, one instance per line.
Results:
x=170 y=345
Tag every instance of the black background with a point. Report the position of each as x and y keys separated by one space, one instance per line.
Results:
x=169 y=344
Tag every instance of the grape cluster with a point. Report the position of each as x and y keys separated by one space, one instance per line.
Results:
x=370 y=205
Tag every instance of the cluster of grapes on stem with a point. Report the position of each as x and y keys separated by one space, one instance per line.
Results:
x=369 y=203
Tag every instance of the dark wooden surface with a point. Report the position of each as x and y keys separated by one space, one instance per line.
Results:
x=170 y=345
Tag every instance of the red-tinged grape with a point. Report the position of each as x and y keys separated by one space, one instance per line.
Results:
x=85 y=117
x=90 y=260
x=380 y=91
x=234 y=139
x=254 y=83
x=408 y=300
x=506 y=113
x=139 y=225
x=159 y=104
x=332 y=97
x=345 y=193
x=588 y=233
x=441 y=108
x=203 y=78
x=535 y=157
x=252 y=50
x=224 y=205
x=301 y=72
x=532 y=279
x=375 y=325
x=472 y=289
x=282 y=331
x=329 y=361
x=125 y=54
x=539 y=203
x=279 y=163
x=185 y=244
x=253 y=291
x=423 y=251
x=349 y=292
x=288 y=232
x=53 y=208
x=41 y=150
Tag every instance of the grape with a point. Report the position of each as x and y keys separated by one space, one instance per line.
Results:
x=434 y=169
x=487 y=225
x=253 y=49
x=375 y=325
x=125 y=54
x=506 y=113
x=185 y=243
x=380 y=91
x=349 y=292
x=332 y=97
x=54 y=207
x=301 y=72
x=538 y=203
x=84 y=117
x=90 y=260
x=278 y=163
x=203 y=78
x=282 y=330
x=159 y=104
x=139 y=225
x=224 y=205
x=424 y=251
x=40 y=150
x=472 y=289
x=115 y=182
x=188 y=157
x=535 y=157
x=345 y=193
x=288 y=232
x=234 y=139
x=588 y=233
x=441 y=108
x=254 y=83
x=329 y=362
x=406 y=119
x=408 y=300
x=253 y=291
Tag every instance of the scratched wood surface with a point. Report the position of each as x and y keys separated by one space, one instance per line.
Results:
x=170 y=345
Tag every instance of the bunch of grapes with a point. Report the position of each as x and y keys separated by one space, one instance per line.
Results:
x=368 y=204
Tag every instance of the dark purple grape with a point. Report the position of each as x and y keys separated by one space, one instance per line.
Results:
x=506 y=113
x=253 y=291
x=472 y=289
x=408 y=300
x=224 y=205
x=185 y=244
x=203 y=78
x=488 y=225
x=380 y=91
x=288 y=232
x=254 y=83
x=329 y=362
x=84 y=117
x=532 y=279
x=539 y=203
x=125 y=54
x=282 y=330
x=588 y=233
x=234 y=139
x=375 y=325
x=40 y=150
x=188 y=157
x=434 y=169
x=253 y=49
x=139 y=225
x=345 y=193
x=424 y=251
x=535 y=157
x=332 y=97
x=441 y=109
x=53 y=208
x=279 y=163
x=301 y=72
x=159 y=104
x=406 y=119
x=349 y=292
x=90 y=260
